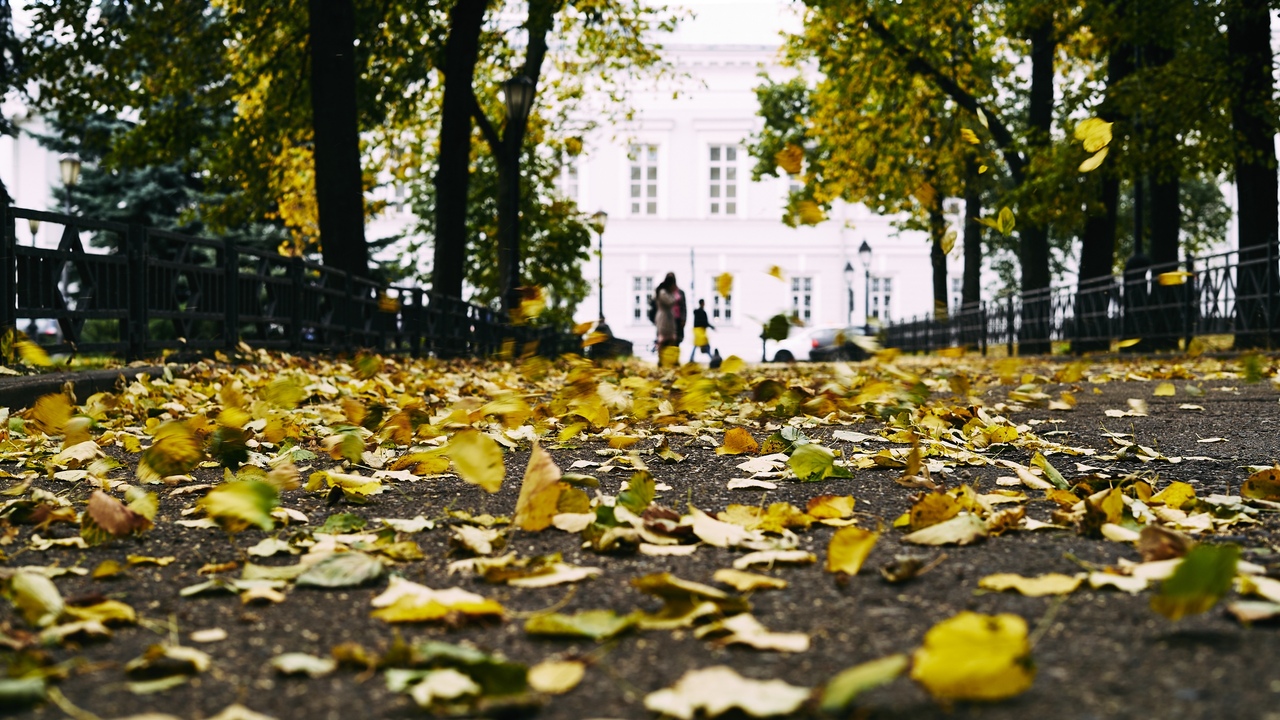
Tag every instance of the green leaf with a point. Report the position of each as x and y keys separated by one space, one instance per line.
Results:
x=343 y=523
x=845 y=687
x=777 y=328
x=342 y=570
x=1050 y=472
x=237 y=505
x=17 y=692
x=36 y=597
x=814 y=462
x=639 y=493
x=1199 y=581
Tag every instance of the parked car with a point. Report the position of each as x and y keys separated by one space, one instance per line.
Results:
x=824 y=344
x=44 y=331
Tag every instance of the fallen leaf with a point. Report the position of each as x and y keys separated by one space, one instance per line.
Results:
x=717 y=690
x=848 y=549
x=1039 y=586
x=477 y=458
x=539 y=492
x=975 y=657
x=959 y=530
x=1198 y=582
x=593 y=624
x=296 y=663
x=748 y=582
x=556 y=677
x=744 y=629
x=737 y=441
x=847 y=685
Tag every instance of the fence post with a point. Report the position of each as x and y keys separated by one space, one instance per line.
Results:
x=231 y=302
x=295 y=306
x=1271 y=293
x=982 y=318
x=348 y=311
x=1009 y=323
x=138 y=255
x=8 y=268
x=1189 y=292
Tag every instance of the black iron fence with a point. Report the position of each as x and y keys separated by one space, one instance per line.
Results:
x=136 y=291
x=1153 y=308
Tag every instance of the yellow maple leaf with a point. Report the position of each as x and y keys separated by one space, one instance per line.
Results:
x=539 y=492
x=1094 y=133
x=849 y=548
x=975 y=657
x=736 y=442
x=790 y=159
x=477 y=458
x=776 y=271
x=724 y=284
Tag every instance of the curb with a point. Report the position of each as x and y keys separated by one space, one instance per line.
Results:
x=22 y=392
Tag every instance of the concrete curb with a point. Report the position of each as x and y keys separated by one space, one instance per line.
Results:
x=21 y=392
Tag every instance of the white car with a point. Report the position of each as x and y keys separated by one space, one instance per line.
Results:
x=824 y=344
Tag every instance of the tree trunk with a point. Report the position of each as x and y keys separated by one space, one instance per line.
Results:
x=339 y=180
x=971 y=285
x=1033 y=248
x=938 y=259
x=453 y=170
x=1249 y=50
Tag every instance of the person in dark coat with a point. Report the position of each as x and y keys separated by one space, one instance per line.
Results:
x=700 y=326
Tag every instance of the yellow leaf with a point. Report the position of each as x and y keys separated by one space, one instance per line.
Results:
x=724 y=284
x=732 y=364
x=1094 y=133
x=982 y=169
x=1006 y=221
x=949 y=242
x=1262 y=485
x=790 y=159
x=849 y=548
x=237 y=505
x=1092 y=162
x=477 y=458
x=1128 y=343
x=1177 y=277
x=969 y=136
x=926 y=194
x=776 y=271
x=809 y=213
x=539 y=492
x=982 y=118
x=1165 y=390
x=583 y=328
x=744 y=581
x=175 y=450
x=831 y=506
x=51 y=413
x=1039 y=586
x=975 y=657
x=556 y=677
x=33 y=354
x=736 y=442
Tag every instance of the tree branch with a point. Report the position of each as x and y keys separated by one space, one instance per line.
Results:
x=917 y=64
x=486 y=128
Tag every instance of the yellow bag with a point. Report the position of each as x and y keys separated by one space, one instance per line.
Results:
x=700 y=337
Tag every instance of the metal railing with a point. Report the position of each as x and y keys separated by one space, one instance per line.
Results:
x=138 y=290
x=1159 y=307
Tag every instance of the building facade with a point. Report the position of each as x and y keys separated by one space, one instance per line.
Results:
x=676 y=184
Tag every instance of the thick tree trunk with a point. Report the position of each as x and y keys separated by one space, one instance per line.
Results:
x=1249 y=48
x=339 y=181
x=971 y=284
x=1033 y=248
x=938 y=259
x=453 y=170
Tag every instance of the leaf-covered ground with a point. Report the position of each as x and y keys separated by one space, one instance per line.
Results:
x=304 y=538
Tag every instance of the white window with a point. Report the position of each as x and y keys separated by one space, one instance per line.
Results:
x=956 y=285
x=721 y=309
x=802 y=298
x=723 y=180
x=567 y=181
x=644 y=179
x=641 y=291
x=881 y=290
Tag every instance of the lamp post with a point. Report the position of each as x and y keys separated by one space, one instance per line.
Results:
x=70 y=167
x=598 y=221
x=34 y=226
x=864 y=257
x=848 y=285
x=518 y=94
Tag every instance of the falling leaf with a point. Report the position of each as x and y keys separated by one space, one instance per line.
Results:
x=36 y=597
x=1039 y=586
x=539 y=492
x=114 y=517
x=717 y=690
x=790 y=158
x=969 y=136
x=174 y=450
x=477 y=458
x=849 y=548
x=50 y=413
x=33 y=354
x=1199 y=581
x=237 y=505
x=1176 y=277
x=813 y=462
x=949 y=242
x=777 y=272
x=1094 y=133
x=1093 y=162
x=736 y=442
x=1165 y=390
x=556 y=677
x=975 y=657
x=846 y=686
x=724 y=284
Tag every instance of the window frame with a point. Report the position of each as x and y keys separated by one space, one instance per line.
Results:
x=804 y=295
x=642 y=287
x=715 y=190
x=636 y=157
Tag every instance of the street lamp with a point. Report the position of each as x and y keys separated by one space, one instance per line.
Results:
x=518 y=94
x=848 y=285
x=70 y=167
x=864 y=257
x=34 y=226
x=598 y=221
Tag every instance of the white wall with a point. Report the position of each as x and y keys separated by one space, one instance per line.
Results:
x=31 y=174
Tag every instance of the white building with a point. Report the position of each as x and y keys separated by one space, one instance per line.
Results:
x=676 y=185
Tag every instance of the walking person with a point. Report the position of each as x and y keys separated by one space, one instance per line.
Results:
x=700 y=326
x=668 y=299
